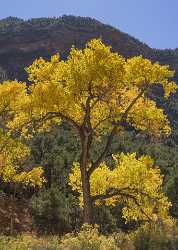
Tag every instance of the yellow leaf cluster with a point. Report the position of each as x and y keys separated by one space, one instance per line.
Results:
x=33 y=178
x=93 y=78
x=134 y=182
x=140 y=72
x=12 y=155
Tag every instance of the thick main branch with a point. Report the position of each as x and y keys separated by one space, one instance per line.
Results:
x=122 y=192
x=113 y=132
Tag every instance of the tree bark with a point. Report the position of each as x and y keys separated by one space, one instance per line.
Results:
x=87 y=212
x=84 y=160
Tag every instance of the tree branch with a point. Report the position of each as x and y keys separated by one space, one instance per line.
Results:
x=50 y=115
x=113 y=132
x=121 y=193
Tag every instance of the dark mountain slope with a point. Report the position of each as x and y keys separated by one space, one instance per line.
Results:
x=23 y=41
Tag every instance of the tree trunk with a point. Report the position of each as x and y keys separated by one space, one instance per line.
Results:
x=11 y=215
x=84 y=161
x=87 y=213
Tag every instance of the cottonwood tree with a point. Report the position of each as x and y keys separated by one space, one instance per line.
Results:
x=12 y=151
x=12 y=172
x=12 y=157
x=98 y=92
x=13 y=154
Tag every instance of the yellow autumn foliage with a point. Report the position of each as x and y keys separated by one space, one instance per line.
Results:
x=60 y=90
x=97 y=91
x=12 y=155
x=134 y=182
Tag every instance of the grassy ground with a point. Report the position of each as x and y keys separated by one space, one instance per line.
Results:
x=29 y=242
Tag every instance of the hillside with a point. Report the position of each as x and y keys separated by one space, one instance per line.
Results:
x=23 y=41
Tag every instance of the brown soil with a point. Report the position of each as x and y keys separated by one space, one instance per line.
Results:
x=14 y=216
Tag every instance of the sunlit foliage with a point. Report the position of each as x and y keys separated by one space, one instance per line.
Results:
x=97 y=92
x=136 y=183
x=12 y=157
x=61 y=89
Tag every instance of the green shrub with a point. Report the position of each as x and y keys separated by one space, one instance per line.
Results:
x=88 y=239
x=160 y=235
x=124 y=240
x=152 y=236
x=29 y=242
x=102 y=216
x=54 y=212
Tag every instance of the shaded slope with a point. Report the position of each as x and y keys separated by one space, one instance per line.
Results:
x=23 y=41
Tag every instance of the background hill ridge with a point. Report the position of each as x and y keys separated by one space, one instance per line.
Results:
x=21 y=41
